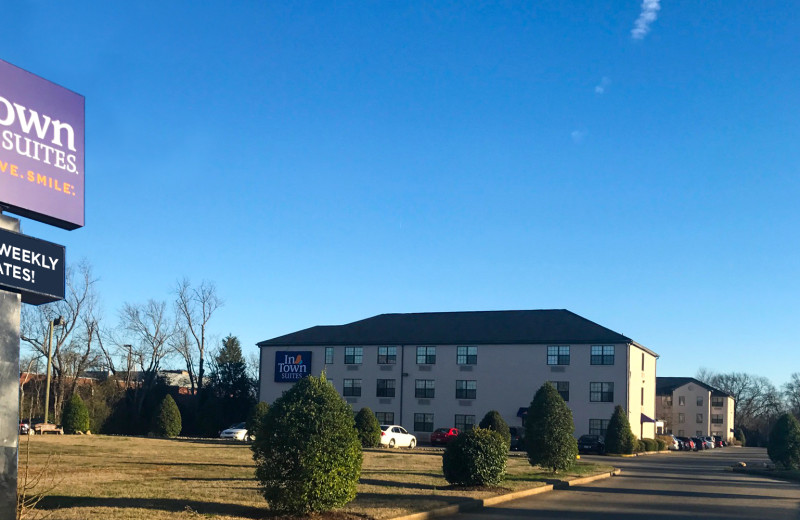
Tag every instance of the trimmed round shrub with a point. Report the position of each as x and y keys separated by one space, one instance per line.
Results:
x=739 y=436
x=167 y=421
x=640 y=446
x=257 y=414
x=76 y=415
x=307 y=452
x=650 y=444
x=548 y=431
x=368 y=428
x=475 y=458
x=661 y=445
x=784 y=442
x=495 y=422
x=619 y=437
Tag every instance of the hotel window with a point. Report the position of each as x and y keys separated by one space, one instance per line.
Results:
x=423 y=422
x=698 y=433
x=716 y=418
x=466 y=389
x=385 y=417
x=681 y=400
x=387 y=355
x=558 y=355
x=424 y=389
x=699 y=401
x=601 y=392
x=563 y=389
x=426 y=355
x=598 y=426
x=602 y=354
x=467 y=355
x=328 y=355
x=353 y=355
x=681 y=418
x=352 y=388
x=465 y=423
x=385 y=388
x=681 y=433
x=716 y=402
x=667 y=400
x=642 y=396
x=699 y=418
x=642 y=361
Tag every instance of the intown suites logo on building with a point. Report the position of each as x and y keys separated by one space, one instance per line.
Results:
x=292 y=366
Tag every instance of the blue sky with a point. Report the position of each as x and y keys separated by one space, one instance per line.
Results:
x=323 y=162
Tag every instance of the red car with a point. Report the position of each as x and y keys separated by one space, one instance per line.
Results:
x=442 y=436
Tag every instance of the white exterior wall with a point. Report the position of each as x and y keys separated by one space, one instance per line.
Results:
x=507 y=378
x=726 y=410
x=690 y=392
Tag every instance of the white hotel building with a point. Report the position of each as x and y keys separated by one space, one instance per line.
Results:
x=431 y=370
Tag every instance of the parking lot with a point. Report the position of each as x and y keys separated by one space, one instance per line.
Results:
x=682 y=485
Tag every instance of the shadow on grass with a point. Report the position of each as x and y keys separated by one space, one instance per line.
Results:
x=212 y=464
x=158 y=504
x=400 y=471
x=395 y=484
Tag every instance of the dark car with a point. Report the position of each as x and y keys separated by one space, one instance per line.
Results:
x=686 y=444
x=517 y=438
x=718 y=442
x=24 y=428
x=591 y=444
x=699 y=444
x=441 y=436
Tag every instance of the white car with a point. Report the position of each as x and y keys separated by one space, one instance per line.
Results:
x=237 y=431
x=393 y=436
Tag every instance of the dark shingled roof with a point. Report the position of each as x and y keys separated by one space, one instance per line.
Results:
x=557 y=326
x=666 y=385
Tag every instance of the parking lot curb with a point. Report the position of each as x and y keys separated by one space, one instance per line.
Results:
x=476 y=504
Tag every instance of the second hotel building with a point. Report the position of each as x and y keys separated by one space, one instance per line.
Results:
x=431 y=370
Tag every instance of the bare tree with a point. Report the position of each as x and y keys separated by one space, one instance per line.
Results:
x=69 y=355
x=151 y=327
x=182 y=344
x=791 y=392
x=756 y=399
x=196 y=305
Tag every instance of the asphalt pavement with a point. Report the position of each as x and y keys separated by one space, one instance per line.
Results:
x=664 y=487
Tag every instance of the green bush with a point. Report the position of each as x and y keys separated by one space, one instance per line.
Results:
x=167 y=421
x=784 y=442
x=548 y=431
x=307 y=452
x=495 y=422
x=368 y=428
x=639 y=446
x=739 y=436
x=661 y=445
x=257 y=414
x=76 y=415
x=619 y=437
x=475 y=458
x=650 y=444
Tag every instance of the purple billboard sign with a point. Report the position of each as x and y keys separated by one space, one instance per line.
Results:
x=41 y=149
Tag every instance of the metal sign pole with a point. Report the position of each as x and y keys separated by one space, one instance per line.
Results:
x=10 y=304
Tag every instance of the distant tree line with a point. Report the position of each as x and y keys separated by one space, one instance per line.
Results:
x=757 y=402
x=117 y=366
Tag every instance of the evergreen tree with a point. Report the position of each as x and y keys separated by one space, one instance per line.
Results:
x=548 y=431
x=619 y=437
x=784 y=442
x=167 y=422
x=76 y=415
x=369 y=430
x=307 y=452
x=257 y=414
x=230 y=385
x=495 y=422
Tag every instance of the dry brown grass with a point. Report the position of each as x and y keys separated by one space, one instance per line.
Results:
x=126 y=478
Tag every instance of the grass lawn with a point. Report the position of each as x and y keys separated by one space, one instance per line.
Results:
x=129 y=478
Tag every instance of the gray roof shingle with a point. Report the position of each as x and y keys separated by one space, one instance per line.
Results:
x=558 y=326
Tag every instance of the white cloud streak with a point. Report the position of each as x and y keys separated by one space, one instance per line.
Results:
x=602 y=86
x=648 y=15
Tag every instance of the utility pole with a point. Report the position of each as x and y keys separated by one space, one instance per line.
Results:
x=53 y=323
